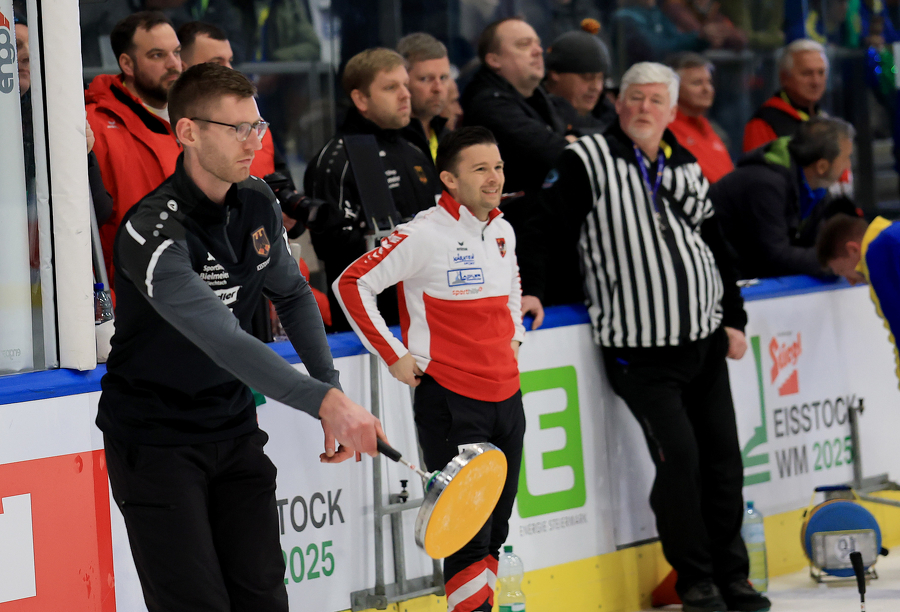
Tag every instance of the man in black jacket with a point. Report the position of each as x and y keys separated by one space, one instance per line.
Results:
x=505 y=96
x=183 y=447
x=771 y=206
x=377 y=82
x=429 y=82
x=577 y=64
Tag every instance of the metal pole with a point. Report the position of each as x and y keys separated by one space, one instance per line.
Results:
x=397 y=539
x=853 y=413
x=376 y=472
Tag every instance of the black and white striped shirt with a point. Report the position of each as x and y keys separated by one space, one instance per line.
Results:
x=651 y=280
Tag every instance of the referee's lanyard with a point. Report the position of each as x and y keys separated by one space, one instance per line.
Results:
x=653 y=188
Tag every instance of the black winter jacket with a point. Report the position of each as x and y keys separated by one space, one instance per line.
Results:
x=529 y=132
x=758 y=205
x=416 y=135
x=339 y=229
x=531 y=136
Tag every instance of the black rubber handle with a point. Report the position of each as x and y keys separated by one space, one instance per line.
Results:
x=859 y=570
x=388 y=451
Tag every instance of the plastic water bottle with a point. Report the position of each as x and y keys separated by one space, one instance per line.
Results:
x=510 y=573
x=103 y=306
x=754 y=536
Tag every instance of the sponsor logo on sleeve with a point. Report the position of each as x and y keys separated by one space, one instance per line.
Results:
x=471 y=276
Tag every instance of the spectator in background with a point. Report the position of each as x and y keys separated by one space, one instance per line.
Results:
x=577 y=64
x=760 y=20
x=135 y=146
x=286 y=32
x=376 y=81
x=569 y=15
x=691 y=127
x=97 y=20
x=453 y=111
x=694 y=15
x=203 y=43
x=221 y=13
x=506 y=96
x=642 y=32
x=429 y=79
x=803 y=73
x=772 y=205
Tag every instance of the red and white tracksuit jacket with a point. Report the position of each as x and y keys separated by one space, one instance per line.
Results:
x=460 y=299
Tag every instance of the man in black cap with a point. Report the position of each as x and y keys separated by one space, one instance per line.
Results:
x=577 y=63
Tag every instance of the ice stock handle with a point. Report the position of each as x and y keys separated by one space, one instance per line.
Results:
x=388 y=451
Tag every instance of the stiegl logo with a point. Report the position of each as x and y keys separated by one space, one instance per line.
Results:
x=784 y=364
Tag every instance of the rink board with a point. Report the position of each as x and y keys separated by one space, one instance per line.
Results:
x=585 y=480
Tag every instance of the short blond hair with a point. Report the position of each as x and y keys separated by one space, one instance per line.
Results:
x=363 y=67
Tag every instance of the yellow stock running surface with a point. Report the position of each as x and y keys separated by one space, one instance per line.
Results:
x=465 y=504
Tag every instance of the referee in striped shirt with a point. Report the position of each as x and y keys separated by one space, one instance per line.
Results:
x=666 y=311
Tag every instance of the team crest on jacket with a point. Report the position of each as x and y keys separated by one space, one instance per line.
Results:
x=501 y=244
x=261 y=241
x=421 y=173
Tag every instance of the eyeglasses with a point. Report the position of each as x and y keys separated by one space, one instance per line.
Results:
x=241 y=130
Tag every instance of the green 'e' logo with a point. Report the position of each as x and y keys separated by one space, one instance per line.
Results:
x=570 y=456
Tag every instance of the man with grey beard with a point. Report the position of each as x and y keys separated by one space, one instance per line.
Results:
x=128 y=113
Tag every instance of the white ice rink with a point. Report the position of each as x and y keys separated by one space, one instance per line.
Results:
x=799 y=593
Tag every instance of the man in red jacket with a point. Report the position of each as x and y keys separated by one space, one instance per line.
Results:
x=803 y=73
x=128 y=113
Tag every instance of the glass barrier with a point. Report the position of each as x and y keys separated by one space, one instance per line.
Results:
x=27 y=334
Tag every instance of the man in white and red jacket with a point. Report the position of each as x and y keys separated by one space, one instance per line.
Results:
x=460 y=314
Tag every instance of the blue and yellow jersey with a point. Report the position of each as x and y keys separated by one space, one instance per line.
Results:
x=880 y=265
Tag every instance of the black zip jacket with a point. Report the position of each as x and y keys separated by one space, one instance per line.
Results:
x=189 y=276
x=415 y=133
x=530 y=136
x=758 y=205
x=339 y=229
x=529 y=132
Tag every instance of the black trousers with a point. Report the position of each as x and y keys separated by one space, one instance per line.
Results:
x=444 y=421
x=681 y=396
x=202 y=524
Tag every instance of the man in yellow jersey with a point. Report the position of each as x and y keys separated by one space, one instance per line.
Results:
x=869 y=253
